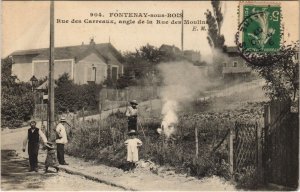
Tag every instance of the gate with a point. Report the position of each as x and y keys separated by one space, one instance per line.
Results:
x=281 y=145
x=246 y=147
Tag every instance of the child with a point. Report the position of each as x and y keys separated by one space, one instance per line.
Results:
x=51 y=160
x=132 y=149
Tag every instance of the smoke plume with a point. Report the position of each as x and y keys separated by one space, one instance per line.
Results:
x=183 y=82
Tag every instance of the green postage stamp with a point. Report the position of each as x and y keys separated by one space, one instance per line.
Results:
x=260 y=26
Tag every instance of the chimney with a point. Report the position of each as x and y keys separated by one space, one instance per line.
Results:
x=92 y=42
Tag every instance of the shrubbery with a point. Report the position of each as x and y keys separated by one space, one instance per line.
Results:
x=106 y=145
x=72 y=97
x=17 y=101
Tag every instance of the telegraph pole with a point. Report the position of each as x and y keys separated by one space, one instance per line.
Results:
x=51 y=77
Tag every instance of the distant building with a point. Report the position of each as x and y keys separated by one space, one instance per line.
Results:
x=83 y=63
x=234 y=66
x=192 y=56
x=170 y=49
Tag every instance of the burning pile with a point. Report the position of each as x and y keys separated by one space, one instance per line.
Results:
x=183 y=81
x=169 y=111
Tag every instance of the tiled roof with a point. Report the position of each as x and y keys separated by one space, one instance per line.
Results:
x=230 y=49
x=165 y=47
x=28 y=52
x=227 y=70
x=44 y=86
x=105 y=50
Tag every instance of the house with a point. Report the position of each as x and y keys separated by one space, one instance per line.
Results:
x=234 y=66
x=193 y=56
x=84 y=63
x=170 y=49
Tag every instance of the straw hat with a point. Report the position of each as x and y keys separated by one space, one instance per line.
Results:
x=62 y=119
x=132 y=132
x=133 y=102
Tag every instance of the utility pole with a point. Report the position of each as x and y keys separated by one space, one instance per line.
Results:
x=51 y=135
x=182 y=32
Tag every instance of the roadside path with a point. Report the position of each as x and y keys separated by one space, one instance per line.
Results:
x=142 y=179
x=15 y=176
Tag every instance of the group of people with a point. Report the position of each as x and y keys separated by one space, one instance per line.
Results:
x=52 y=160
x=32 y=139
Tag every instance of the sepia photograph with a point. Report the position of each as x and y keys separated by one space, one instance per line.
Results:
x=150 y=95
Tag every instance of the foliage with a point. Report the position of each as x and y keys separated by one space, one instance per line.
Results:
x=214 y=22
x=126 y=80
x=17 y=100
x=247 y=179
x=280 y=70
x=103 y=141
x=72 y=97
x=141 y=64
x=215 y=39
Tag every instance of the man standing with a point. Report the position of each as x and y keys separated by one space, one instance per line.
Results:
x=33 y=138
x=131 y=113
x=61 y=140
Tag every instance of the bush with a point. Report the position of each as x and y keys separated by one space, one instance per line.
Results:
x=247 y=179
x=178 y=151
x=72 y=97
x=107 y=145
x=17 y=100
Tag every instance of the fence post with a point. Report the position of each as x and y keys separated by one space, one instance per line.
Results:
x=259 y=154
x=196 y=140
x=231 y=152
x=99 y=122
x=83 y=114
x=267 y=121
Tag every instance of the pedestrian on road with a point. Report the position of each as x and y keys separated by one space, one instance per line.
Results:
x=132 y=149
x=131 y=113
x=51 y=160
x=33 y=139
x=61 y=140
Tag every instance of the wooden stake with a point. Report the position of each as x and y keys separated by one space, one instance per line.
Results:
x=196 y=140
x=231 y=150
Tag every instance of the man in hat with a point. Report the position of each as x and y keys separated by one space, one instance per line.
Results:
x=131 y=113
x=33 y=139
x=61 y=140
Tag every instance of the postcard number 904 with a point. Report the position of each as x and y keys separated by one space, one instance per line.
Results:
x=96 y=14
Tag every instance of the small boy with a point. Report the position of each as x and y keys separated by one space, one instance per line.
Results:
x=132 y=149
x=51 y=160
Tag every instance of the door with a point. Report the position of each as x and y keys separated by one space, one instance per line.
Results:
x=114 y=73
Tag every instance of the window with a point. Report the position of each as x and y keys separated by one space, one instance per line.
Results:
x=224 y=64
x=235 y=64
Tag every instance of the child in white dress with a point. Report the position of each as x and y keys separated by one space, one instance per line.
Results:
x=132 y=149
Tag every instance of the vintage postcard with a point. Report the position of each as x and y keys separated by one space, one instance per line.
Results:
x=149 y=95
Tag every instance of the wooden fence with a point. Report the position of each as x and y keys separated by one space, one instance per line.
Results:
x=270 y=150
x=281 y=145
x=113 y=98
x=245 y=149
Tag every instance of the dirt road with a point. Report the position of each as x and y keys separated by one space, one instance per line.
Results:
x=15 y=175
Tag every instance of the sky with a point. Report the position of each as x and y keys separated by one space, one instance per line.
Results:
x=25 y=24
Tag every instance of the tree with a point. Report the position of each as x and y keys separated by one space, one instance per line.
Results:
x=72 y=97
x=17 y=102
x=280 y=70
x=215 y=39
x=214 y=21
